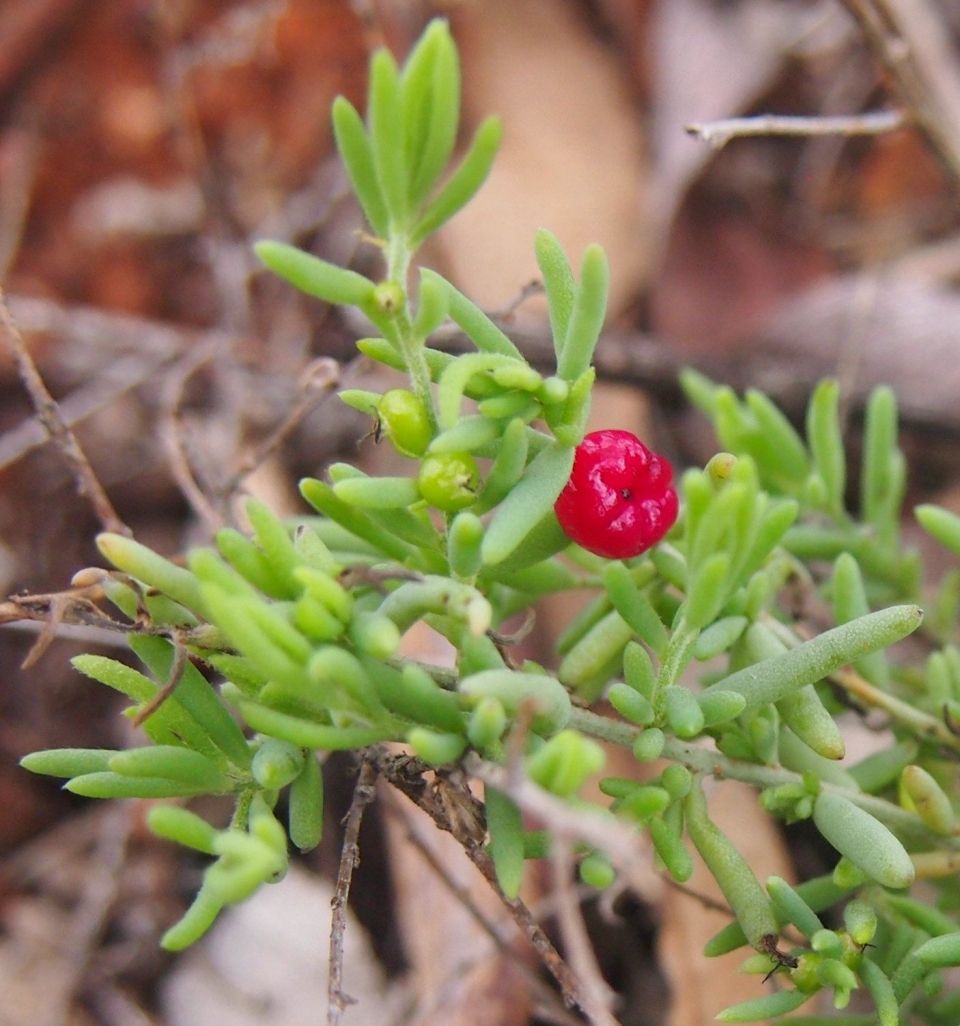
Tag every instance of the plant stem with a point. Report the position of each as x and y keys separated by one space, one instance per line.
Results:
x=399 y=255
x=704 y=760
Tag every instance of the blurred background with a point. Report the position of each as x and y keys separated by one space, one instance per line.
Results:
x=145 y=144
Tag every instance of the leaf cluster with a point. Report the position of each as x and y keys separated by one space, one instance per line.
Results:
x=300 y=624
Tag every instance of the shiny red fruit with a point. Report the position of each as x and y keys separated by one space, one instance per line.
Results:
x=620 y=499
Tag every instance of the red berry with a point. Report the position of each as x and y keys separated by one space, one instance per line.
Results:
x=620 y=499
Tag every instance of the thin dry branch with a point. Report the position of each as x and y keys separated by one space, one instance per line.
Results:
x=550 y=1008
x=912 y=41
x=597 y=995
x=719 y=133
x=621 y=845
x=315 y=384
x=59 y=431
x=406 y=774
x=363 y=794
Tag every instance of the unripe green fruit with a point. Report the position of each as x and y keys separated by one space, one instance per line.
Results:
x=404 y=420
x=449 y=482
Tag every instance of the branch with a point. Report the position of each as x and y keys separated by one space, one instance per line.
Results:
x=719 y=133
x=57 y=428
x=349 y=859
x=911 y=40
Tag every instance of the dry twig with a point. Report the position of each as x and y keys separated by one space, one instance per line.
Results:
x=363 y=794
x=597 y=994
x=52 y=419
x=912 y=41
x=719 y=133
x=550 y=1008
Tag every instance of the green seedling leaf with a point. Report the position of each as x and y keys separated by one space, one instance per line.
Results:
x=860 y=921
x=374 y=635
x=604 y=641
x=182 y=826
x=792 y=907
x=173 y=763
x=195 y=922
x=431 y=108
x=794 y=463
x=719 y=637
x=596 y=871
x=512 y=689
x=864 y=840
x=671 y=850
x=587 y=315
x=880 y=989
x=941 y=524
x=879 y=481
x=252 y=564
x=559 y=284
x=638 y=671
x=306 y=734
x=929 y=800
x=563 y=765
x=763 y=1008
x=385 y=117
x=649 y=744
x=720 y=707
x=798 y=756
x=849 y=602
x=413 y=694
x=505 y=824
x=464 y=540
x=321 y=496
x=708 y=592
x=481 y=330
x=507 y=467
x=153 y=570
x=434 y=748
x=454 y=381
x=468 y=434
x=276 y=764
x=377 y=492
x=773 y=679
x=633 y=605
x=117 y=785
x=682 y=712
x=197 y=697
x=528 y=503
x=464 y=183
x=305 y=814
x=434 y=594
x=826 y=443
x=68 y=762
x=316 y=277
x=736 y=879
x=356 y=152
x=630 y=704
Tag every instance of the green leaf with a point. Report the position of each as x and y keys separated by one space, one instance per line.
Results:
x=431 y=108
x=357 y=155
x=306 y=805
x=481 y=330
x=772 y=679
x=587 y=315
x=561 y=288
x=316 y=277
x=864 y=840
x=68 y=762
x=505 y=823
x=386 y=121
x=826 y=442
x=529 y=501
x=464 y=183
